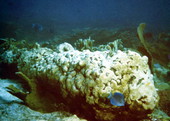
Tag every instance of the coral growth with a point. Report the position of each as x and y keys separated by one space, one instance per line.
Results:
x=91 y=77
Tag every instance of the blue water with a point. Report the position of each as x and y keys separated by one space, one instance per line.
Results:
x=61 y=15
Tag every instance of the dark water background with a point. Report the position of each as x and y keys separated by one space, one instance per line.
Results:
x=57 y=16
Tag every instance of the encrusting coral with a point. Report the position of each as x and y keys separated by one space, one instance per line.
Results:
x=91 y=76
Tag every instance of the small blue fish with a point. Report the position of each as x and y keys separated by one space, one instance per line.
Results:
x=37 y=27
x=157 y=65
x=117 y=99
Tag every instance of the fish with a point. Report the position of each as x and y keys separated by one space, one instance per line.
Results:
x=37 y=27
x=117 y=99
x=157 y=65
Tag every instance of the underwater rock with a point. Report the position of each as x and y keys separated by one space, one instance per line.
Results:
x=20 y=112
x=90 y=77
x=5 y=96
x=161 y=77
x=165 y=100
x=12 y=108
